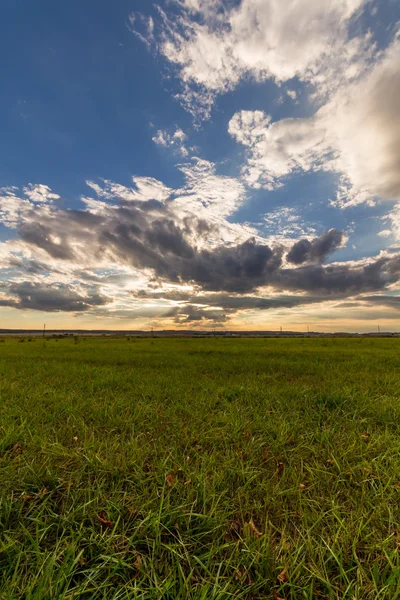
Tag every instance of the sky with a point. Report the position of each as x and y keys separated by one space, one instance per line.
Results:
x=200 y=164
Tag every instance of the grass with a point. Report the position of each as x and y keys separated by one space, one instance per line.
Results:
x=200 y=469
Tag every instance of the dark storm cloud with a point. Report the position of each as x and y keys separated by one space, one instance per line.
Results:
x=147 y=235
x=341 y=278
x=49 y=298
x=317 y=249
x=232 y=303
x=389 y=301
x=194 y=314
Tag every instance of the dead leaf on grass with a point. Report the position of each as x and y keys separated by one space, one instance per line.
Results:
x=170 y=479
x=366 y=436
x=283 y=576
x=102 y=518
x=17 y=448
x=251 y=531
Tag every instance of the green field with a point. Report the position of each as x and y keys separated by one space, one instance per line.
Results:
x=200 y=469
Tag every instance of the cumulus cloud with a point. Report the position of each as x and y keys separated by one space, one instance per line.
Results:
x=148 y=236
x=315 y=250
x=363 y=124
x=214 y=45
x=97 y=258
x=355 y=134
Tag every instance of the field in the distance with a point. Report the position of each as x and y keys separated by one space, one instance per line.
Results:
x=200 y=469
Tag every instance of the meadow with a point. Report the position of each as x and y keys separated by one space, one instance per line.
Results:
x=199 y=469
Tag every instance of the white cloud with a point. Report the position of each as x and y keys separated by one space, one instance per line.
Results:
x=392 y=218
x=175 y=140
x=40 y=193
x=214 y=46
x=355 y=134
x=277 y=149
x=206 y=193
x=363 y=124
x=145 y=188
x=285 y=225
x=14 y=206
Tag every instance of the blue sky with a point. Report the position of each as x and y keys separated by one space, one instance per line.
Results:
x=195 y=163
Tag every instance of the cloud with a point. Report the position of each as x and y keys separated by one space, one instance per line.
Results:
x=175 y=140
x=193 y=315
x=145 y=188
x=285 y=224
x=317 y=249
x=48 y=298
x=393 y=218
x=150 y=237
x=363 y=124
x=79 y=260
x=214 y=45
x=278 y=149
x=39 y=193
x=207 y=193
x=355 y=134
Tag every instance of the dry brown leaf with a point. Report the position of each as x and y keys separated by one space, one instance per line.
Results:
x=17 y=448
x=366 y=436
x=283 y=576
x=250 y=530
x=102 y=518
x=281 y=468
x=254 y=529
x=188 y=482
x=170 y=479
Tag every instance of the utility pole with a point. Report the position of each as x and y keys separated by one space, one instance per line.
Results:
x=379 y=329
x=44 y=330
